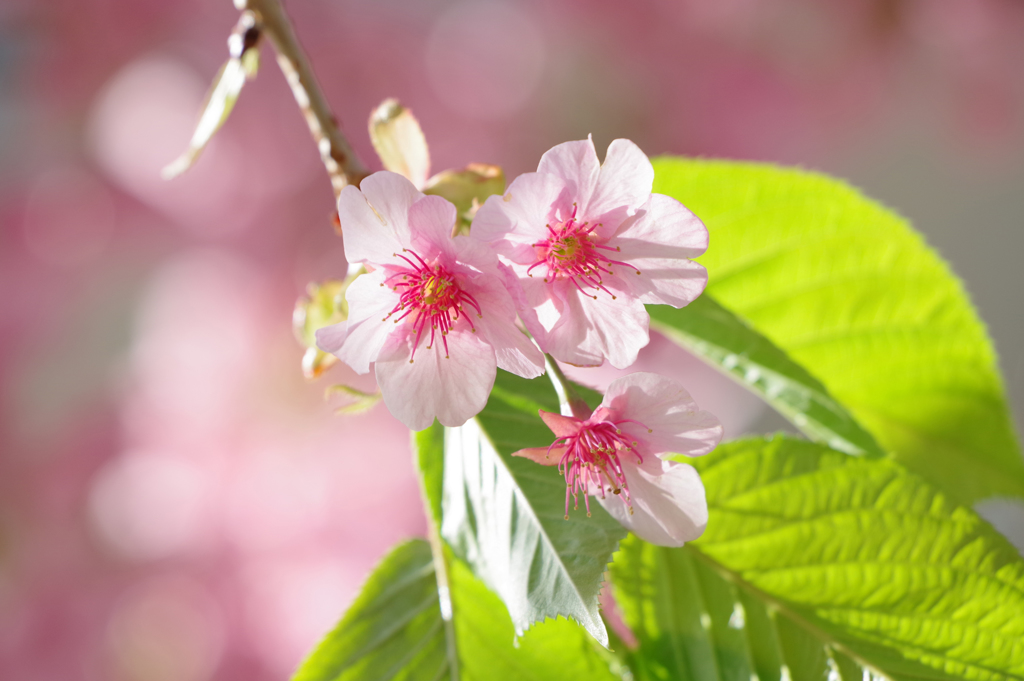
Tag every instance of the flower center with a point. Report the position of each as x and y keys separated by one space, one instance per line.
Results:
x=431 y=295
x=592 y=460
x=570 y=252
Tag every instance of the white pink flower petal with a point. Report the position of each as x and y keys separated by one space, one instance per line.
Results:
x=667 y=420
x=575 y=162
x=623 y=185
x=434 y=316
x=357 y=340
x=451 y=385
x=374 y=217
x=591 y=245
x=615 y=455
x=669 y=508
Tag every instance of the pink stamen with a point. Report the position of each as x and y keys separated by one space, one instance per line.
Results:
x=570 y=253
x=432 y=295
x=591 y=460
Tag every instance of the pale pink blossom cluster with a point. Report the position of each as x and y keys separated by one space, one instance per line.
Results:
x=573 y=251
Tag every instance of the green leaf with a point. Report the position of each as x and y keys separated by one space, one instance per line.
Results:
x=710 y=331
x=489 y=648
x=855 y=296
x=394 y=630
x=659 y=594
x=428 y=445
x=831 y=564
x=505 y=515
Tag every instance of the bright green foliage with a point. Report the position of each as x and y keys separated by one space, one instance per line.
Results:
x=394 y=630
x=488 y=648
x=659 y=593
x=830 y=562
x=505 y=515
x=852 y=294
x=429 y=447
x=707 y=329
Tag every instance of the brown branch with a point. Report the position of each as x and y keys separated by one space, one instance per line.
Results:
x=341 y=162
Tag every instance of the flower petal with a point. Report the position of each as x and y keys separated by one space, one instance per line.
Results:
x=514 y=350
x=542 y=455
x=374 y=219
x=452 y=389
x=614 y=329
x=669 y=509
x=540 y=306
x=663 y=406
x=561 y=426
x=330 y=338
x=357 y=341
x=658 y=243
x=521 y=213
x=623 y=185
x=664 y=228
x=477 y=255
x=431 y=220
x=664 y=281
x=576 y=162
x=554 y=319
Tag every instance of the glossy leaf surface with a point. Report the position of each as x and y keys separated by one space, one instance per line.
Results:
x=722 y=339
x=394 y=630
x=816 y=562
x=505 y=515
x=851 y=293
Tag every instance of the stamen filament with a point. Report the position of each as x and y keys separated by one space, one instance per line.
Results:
x=571 y=253
x=431 y=294
x=591 y=462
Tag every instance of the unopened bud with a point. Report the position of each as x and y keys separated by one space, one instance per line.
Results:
x=323 y=305
x=399 y=141
x=467 y=188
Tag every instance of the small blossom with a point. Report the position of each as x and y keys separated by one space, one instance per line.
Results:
x=591 y=245
x=434 y=316
x=614 y=455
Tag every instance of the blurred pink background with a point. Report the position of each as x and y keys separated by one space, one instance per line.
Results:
x=176 y=502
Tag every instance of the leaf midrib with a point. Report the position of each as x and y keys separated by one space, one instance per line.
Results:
x=542 y=531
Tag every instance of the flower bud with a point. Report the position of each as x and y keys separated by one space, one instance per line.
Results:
x=324 y=304
x=399 y=141
x=467 y=189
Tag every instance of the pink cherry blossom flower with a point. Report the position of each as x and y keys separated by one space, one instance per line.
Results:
x=615 y=455
x=591 y=245
x=434 y=315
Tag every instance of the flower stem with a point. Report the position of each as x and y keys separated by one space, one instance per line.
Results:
x=430 y=491
x=341 y=162
x=444 y=595
x=571 y=402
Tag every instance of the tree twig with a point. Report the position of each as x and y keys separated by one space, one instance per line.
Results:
x=571 y=402
x=341 y=162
